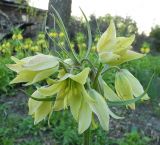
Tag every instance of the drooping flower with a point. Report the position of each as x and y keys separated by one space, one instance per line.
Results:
x=71 y=93
x=115 y=50
x=128 y=87
x=34 y=69
x=137 y=88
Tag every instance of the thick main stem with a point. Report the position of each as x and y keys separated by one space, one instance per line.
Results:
x=87 y=137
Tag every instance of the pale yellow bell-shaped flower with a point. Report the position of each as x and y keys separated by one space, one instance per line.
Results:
x=34 y=69
x=71 y=93
x=114 y=50
x=123 y=88
x=128 y=87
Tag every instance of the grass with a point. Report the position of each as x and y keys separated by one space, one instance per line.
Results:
x=17 y=128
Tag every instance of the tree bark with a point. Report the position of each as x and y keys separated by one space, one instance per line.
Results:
x=64 y=9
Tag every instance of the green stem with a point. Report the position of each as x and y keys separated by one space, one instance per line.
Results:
x=87 y=137
x=113 y=67
x=63 y=66
x=60 y=23
x=97 y=75
x=89 y=62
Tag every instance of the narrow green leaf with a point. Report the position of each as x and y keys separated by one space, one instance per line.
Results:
x=89 y=34
x=63 y=29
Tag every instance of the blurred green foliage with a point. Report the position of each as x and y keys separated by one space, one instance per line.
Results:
x=19 y=129
x=134 y=138
x=5 y=75
x=155 y=37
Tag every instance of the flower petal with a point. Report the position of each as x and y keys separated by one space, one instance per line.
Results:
x=85 y=116
x=100 y=108
x=16 y=60
x=25 y=76
x=15 y=67
x=108 y=39
x=135 y=84
x=33 y=106
x=109 y=94
x=81 y=77
x=51 y=90
x=128 y=56
x=44 y=109
x=107 y=57
x=123 y=43
x=41 y=75
x=123 y=88
x=41 y=62
x=75 y=99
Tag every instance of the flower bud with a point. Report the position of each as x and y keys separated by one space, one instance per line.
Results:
x=123 y=88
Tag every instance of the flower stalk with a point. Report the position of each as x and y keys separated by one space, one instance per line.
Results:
x=87 y=137
x=97 y=75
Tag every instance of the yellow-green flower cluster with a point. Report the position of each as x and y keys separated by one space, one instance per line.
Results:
x=19 y=44
x=56 y=34
x=17 y=36
x=58 y=38
x=41 y=43
x=61 y=34
x=68 y=89
x=71 y=93
x=115 y=50
x=6 y=48
x=75 y=86
x=145 y=50
x=27 y=44
x=53 y=34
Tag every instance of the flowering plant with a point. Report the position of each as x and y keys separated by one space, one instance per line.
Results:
x=75 y=83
